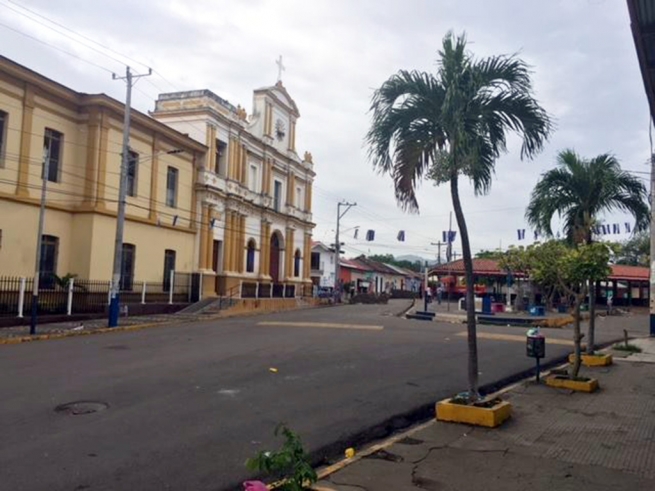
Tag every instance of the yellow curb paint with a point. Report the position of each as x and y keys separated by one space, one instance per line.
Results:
x=514 y=337
x=325 y=325
x=337 y=466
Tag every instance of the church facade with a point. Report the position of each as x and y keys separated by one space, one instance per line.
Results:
x=254 y=192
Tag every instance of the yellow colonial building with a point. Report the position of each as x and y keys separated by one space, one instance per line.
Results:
x=80 y=135
x=254 y=192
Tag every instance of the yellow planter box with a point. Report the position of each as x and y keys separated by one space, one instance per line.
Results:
x=562 y=382
x=473 y=415
x=593 y=360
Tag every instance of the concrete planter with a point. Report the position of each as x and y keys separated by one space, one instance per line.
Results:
x=564 y=382
x=600 y=360
x=489 y=417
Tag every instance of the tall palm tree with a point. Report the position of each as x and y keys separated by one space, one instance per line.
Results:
x=454 y=123
x=579 y=190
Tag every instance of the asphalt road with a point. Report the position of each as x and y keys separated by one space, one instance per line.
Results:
x=188 y=404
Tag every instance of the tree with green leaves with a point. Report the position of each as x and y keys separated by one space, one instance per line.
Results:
x=515 y=260
x=573 y=268
x=485 y=254
x=453 y=124
x=580 y=190
x=635 y=251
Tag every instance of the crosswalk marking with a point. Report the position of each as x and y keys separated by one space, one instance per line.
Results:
x=515 y=337
x=325 y=325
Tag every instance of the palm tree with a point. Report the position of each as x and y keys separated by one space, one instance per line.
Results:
x=454 y=123
x=579 y=190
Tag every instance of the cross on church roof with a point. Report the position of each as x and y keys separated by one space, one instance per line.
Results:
x=280 y=68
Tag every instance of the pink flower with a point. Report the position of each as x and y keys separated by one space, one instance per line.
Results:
x=254 y=486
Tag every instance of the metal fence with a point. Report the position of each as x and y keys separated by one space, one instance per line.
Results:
x=80 y=296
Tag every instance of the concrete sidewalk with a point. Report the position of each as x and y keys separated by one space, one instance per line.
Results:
x=556 y=440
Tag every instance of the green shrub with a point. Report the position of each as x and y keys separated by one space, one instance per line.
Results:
x=290 y=463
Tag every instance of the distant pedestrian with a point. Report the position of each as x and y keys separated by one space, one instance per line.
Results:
x=609 y=304
x=439 y=294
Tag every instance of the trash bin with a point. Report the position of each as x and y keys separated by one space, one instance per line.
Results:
x=486 y=305
x=535 y=344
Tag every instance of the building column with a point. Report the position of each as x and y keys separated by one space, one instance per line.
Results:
x=231 y=156
x=92 y=157
x=227 y=242
x=101 y=195
x=211 y=148
x=244 y=164
x=211 y=215
x=307 y=259
x=267 y=249
x=241 y=243
x=236 y=172
x=268 y=165
x=308 y=196
x=291 y=188
x=236 y=238
x=25 y=143
x=154 y=178
x=292 y=136
x=202 y=255
x=288 y=255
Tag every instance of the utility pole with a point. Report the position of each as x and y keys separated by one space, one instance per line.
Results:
x=337 y=243
x=39 y=239
x=449 y=248
x=114 y=302
x=651 y=295
x=438 y=244
x=449 y=251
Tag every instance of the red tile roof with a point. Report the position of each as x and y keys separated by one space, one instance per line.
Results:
x=350 y=264
x=621 y=272
x=489 y=267
x=481 y=267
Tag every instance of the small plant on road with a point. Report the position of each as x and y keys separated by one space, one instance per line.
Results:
x=290 y=463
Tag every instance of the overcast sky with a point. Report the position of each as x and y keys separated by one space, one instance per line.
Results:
x=336 y=53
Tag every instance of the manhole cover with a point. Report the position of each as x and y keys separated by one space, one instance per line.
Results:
x=81 y=407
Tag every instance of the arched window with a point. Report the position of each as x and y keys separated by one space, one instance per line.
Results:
x=250 y=257
x=296 y=263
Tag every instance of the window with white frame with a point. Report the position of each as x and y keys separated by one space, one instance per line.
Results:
x=300 y=198
x=253 y=178
x=221 y=158
x=132 y=172
x=52 y=146
x=277 y=195
x=171 y=187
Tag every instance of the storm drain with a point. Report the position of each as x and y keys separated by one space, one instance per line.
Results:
x=81 y=407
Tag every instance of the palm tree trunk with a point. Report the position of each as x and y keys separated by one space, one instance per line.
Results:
x=591 y=328
x=470 y=297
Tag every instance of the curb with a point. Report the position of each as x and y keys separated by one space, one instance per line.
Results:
x=493 y=389
x=138 y=327
x=71 y=334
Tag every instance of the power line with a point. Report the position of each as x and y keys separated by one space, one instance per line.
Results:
x=55 y=47
x=73 y=32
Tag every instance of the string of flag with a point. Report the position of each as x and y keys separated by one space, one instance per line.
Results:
x=601 y=229
x=448 y=236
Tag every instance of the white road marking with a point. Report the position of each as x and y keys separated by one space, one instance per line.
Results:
x=324 y=325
